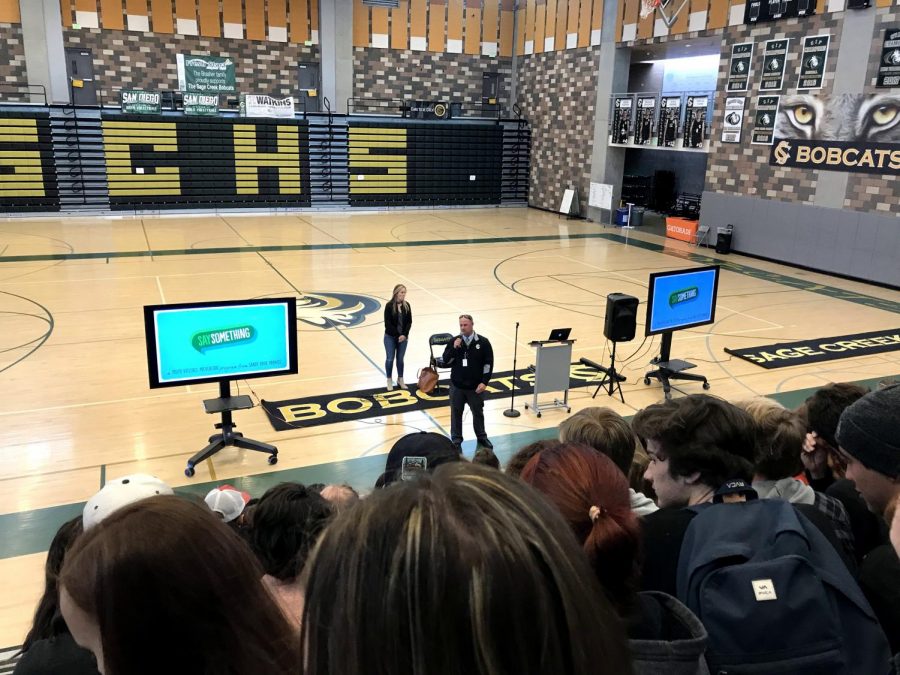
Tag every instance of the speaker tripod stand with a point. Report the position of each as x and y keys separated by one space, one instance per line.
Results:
x=611 y=381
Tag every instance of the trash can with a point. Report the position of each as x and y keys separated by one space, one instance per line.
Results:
x=637 y=216
x=723 y=239
x=622 y=216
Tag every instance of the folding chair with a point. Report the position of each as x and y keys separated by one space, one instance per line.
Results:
x=701 y=236
x=437 y=362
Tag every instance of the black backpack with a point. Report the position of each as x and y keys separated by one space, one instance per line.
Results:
x=775 y=596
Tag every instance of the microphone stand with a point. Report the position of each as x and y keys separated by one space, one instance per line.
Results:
x=512 y=412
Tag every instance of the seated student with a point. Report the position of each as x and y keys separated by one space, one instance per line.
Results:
x=340 y=496
x=518 y=461
x=780 y=435
x=696 y=444
x=825 y=468
x=164 y=586
x=868 y=437
x=120 y=492
x=607 y=432
x=228 y=503
x=592 y=495
x=286 y=524
x=49 y=647
x=464 y=572
x=424 y=452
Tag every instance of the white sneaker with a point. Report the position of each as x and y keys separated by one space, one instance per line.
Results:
x=390 y=384
x=400 y=383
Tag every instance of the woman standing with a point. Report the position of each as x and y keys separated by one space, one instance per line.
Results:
x=397 y=322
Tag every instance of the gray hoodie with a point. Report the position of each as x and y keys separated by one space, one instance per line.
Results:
x=641 y=505
x=666 y=638
x=788 y=489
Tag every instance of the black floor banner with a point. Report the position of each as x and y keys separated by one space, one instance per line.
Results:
x=786 y=354
x=310 y=411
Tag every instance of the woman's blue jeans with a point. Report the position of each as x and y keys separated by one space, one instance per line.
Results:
x=393 y=346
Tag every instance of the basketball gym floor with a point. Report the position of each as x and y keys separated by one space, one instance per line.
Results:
x=76 y=408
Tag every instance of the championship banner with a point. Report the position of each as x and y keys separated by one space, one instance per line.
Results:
x=740 y=67
x=695 y=121
x=201 y=104
x=219 y=162
x=756 y=11
x=310 y=411
x=764 y=122
x=643 y=130
x=253 y=105
x=774 y=58
x=27 y=170
x=734 y=120
x=207 y=74
x=889 y=65
x=623 y=110
x=812 y=62
x=418 y=162
x=852 y=156
x=804 y=352
x=136 y=102
x=669 y=117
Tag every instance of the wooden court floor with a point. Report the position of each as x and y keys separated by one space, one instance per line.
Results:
x=76 y=408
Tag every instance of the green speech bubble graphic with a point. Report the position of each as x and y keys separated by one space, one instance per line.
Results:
x=678 y=297
x=222 y=337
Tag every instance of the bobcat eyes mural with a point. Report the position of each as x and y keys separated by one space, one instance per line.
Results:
x=841 y=117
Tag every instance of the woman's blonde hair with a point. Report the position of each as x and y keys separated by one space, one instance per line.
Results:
x=394 y=293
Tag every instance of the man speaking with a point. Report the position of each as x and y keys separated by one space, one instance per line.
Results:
x=471 y=360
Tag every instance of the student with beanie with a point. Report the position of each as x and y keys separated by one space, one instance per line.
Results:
x=868 y=437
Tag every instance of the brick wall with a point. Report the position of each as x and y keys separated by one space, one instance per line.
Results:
x=557 y=93
x=132 y=60
x=405 y=74
x=742 y=168
x=12 y=63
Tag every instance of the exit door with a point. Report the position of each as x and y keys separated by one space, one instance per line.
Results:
x=80 y=68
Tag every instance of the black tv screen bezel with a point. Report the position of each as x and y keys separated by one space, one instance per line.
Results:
x=672 y=273
x=153 y=357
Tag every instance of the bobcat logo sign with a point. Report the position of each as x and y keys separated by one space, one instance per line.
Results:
x=855 y=156
x=782 y=153
x=335 y=310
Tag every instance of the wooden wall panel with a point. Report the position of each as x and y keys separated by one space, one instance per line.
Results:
x=540 y=21
x=255 y=19
x=418 y=16
x=507 y=27
x=597 y=16
x=211 y=21
x=112 y=14
x=9 y=11
x=646 y=24
x=632 y=11
x=400 y=25
x=562 y=21
x=454 y=19
x=163 y=18
x=85 y=5
x=380 y=21
x=550 y=24
x=681 y=21
x=186 y=9
x=65 y=9
x=584 y=24
x=314 y=16
x=620 y=19
x=572 y=23
x=298 y=19
x=437 y=26
x=530 y=11
x=718 y=14
x=490 y=22
x=136 y=7
x=473 y=27
x=360 y=24
x=699 y=6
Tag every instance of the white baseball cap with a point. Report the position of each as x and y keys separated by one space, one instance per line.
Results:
x=121 y=492
x=227 y=502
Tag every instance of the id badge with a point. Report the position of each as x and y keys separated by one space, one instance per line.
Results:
x=465 y=363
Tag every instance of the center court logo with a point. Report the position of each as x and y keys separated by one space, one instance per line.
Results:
x=335 y=310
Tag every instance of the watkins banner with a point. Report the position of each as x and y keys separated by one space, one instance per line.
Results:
x=253 y=105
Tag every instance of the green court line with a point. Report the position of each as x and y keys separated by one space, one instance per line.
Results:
x=775 y=277
x=31 y=531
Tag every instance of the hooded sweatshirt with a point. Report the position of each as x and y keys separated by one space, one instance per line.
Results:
x=666 y=638
x=640 y=504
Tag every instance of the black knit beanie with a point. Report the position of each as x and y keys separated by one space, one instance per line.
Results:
x=869 y=430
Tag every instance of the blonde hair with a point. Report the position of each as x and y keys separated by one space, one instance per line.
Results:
x=603 y=429
x=779 y=438
x=405 y=306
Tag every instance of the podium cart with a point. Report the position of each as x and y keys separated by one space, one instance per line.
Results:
x=551 y=373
